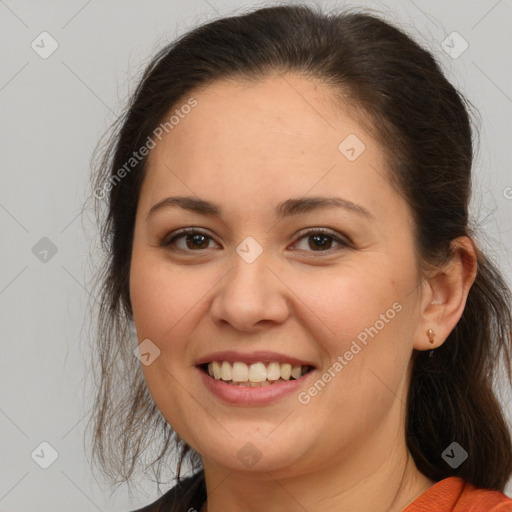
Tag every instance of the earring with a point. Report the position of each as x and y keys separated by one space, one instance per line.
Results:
x=430 y=335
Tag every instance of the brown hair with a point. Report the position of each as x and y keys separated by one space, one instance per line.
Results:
x=403 y=97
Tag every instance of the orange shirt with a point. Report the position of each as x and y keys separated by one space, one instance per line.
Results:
x=454 y=494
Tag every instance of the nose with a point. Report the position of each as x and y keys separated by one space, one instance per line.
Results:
x=250 y=297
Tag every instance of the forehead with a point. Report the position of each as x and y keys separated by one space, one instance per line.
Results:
x=283 y=136
x=272 y=116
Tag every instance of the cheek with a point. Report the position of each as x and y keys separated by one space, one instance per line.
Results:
x=160 y=297
x=361 y=317
x=163 y=304
x=364 y=331
x=348 y=300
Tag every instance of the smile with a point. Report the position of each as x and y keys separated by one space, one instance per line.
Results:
x=257 y=374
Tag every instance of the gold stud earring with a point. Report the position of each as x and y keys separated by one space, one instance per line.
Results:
x=430 y=336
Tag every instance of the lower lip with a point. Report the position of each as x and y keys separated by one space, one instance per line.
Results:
x=246 y=395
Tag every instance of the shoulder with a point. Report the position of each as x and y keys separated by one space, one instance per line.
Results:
x=188 y=494
x=454 y=494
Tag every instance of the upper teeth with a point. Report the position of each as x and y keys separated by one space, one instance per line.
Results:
x=256 y=372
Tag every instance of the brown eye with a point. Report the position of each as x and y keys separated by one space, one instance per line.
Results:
x=319 y=240
x=198 y=241
x=189 y=240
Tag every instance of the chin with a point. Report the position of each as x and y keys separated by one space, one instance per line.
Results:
x=255 y=454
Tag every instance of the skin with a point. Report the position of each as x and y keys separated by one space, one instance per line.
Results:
x=248 y=147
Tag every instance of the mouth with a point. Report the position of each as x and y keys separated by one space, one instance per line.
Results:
x=256 y=374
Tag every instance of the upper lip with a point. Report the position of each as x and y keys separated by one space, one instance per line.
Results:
x=252 y=357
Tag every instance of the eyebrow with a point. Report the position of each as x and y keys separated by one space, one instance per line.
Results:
x=288 y=208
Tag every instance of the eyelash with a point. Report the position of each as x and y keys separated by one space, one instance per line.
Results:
x=344 y=242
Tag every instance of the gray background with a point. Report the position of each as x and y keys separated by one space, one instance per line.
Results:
x=53 y=113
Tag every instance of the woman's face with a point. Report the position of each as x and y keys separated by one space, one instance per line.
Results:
x=275 y=273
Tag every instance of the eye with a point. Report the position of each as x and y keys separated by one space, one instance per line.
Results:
x=187 y=240
x=321 y=240
x=315 y=240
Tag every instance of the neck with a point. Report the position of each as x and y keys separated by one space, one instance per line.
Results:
x=389 y=487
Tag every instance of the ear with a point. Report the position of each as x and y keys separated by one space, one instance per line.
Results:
x=444 y=294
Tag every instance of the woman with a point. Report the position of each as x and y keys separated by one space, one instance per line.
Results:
x=287 y=231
